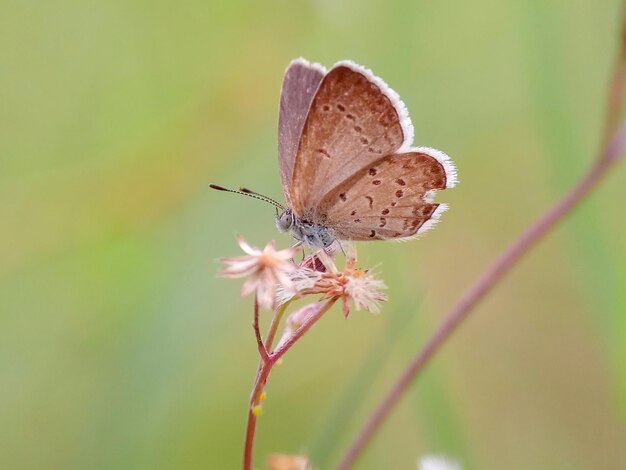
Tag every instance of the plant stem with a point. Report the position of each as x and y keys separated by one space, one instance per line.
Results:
x=267 y=363
x=613 y=144
x=617 y=87
x=612 y=153
x=271 y=334
x=259 y=382
x=257 y=332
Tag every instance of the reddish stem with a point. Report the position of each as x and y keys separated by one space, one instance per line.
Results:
x=257 y=333
x=613 y=151
x=265 y=367
x=261 y=378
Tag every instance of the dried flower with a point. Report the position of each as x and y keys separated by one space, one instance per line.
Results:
x=302 y=280
x=436 y=462
x=351 y=285
x=265 y=269
x=287 y=462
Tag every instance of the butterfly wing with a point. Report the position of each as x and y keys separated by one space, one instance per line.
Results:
x=390 y=198
x=354 y=120
x=299 y=85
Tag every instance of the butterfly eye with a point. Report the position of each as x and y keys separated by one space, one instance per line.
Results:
x=284 y=221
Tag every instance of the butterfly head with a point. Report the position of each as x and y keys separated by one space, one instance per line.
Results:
x=285 y=220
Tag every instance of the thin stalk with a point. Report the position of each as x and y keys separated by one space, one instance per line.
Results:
x=613 y=152
x=613 y=144
x=248 y=449
x=265 y=367
x=257 y=332
x=271 y=334
x=617 y=87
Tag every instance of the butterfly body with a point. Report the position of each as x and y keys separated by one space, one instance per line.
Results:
x=347 y=165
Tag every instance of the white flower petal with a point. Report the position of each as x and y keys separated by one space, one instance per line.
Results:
x=435 y=462
x=247 y=248
x=263 y=270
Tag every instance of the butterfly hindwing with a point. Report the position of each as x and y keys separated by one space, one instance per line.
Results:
x=354 y=120
x=389 y=199
x=300 y=83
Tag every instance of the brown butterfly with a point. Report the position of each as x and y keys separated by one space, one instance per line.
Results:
x=347 y=165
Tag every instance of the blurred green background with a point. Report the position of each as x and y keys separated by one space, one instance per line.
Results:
x=119 y=346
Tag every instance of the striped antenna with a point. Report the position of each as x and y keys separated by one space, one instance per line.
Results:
x=249 y=193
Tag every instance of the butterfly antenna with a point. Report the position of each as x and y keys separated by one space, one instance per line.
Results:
x=249 y=193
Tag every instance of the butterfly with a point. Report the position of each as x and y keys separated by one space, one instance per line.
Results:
x=347 y=166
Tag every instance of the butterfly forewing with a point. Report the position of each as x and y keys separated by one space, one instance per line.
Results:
x=353 y=121
x=389 y=198
x=299 y=86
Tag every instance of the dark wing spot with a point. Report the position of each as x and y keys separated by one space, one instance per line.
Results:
x=376 y=182
x=357 y=221
x=425 y=212
x=353 y=213
x=326 y=107
x=393 y=204
x=372 y=234
x=350 y=116
x=399 y=193
x=373 y=171
x=358 y=128
x=364 y=141
x=341 y=107
x=401 y=182
x=385 y=212
x=383 y=222
x=323 y=152
x=370 y=200
x=343 y=197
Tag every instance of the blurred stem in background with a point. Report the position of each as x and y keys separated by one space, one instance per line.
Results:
x=613 y=148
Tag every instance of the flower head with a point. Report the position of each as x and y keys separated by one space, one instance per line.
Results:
x=287 y=462
x=265 y=269
x=436 y=462
x=352 y=285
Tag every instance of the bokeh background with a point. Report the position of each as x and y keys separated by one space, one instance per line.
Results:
x=121 y=349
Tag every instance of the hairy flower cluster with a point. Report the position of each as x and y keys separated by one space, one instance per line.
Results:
x=273 y=274
x=351 y=285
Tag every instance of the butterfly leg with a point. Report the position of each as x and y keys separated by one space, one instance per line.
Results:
x=297 y=244
x=341 y=248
